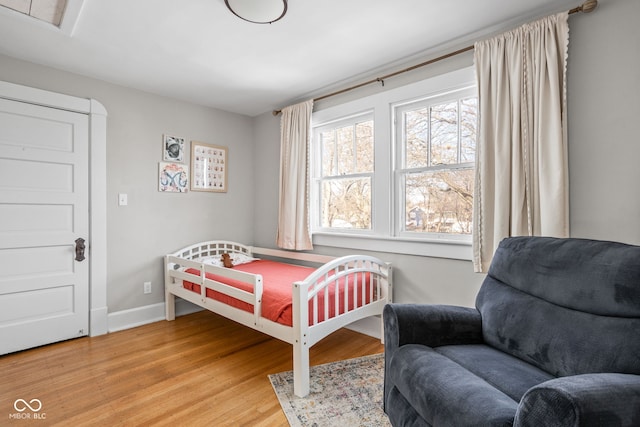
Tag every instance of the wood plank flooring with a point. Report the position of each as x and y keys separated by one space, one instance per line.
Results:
x=199 y=370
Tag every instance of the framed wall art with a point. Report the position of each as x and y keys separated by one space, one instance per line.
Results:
x=172 y=149
x=173 y=177
x=208 y=167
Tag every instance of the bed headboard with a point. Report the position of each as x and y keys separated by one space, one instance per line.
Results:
x=212 y=248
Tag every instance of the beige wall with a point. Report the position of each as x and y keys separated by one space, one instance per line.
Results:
x=604 y=114
x=603 y=93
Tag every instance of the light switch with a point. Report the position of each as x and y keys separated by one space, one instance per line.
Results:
x=122 y=199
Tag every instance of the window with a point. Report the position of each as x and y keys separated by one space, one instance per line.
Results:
x=393 y=171
x=436 y=142
x=345 y=158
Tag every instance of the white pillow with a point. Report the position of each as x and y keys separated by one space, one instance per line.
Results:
x=238 y=258
x=211 y=260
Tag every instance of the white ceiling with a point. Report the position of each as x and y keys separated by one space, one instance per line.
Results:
x=198 y=51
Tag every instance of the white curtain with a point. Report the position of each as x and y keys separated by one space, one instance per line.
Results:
x=293 y=216
x=521 y=183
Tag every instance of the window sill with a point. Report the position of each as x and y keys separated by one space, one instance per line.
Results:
x=430 y=248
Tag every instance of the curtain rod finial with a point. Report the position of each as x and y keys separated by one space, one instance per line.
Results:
x=589 y=6
x=276 y=112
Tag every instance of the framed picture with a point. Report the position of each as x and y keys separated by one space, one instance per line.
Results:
x=208 y=167
x=173 y=177
x=172 y=149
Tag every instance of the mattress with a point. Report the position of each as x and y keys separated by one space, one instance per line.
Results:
x=277 y=283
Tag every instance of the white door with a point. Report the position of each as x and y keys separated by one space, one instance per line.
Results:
x=44 y=209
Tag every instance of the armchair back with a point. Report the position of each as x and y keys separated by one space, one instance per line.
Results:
x=567 y=306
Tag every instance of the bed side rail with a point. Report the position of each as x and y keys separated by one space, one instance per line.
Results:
x=175 y=271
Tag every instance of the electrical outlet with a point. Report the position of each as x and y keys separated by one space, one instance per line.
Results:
x=147 y=287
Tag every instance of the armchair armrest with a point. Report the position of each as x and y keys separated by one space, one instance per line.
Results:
x=430 y=325
x=582 y=400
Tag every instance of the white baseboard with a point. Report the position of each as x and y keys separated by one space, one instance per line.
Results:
x=126 y=319
x=98 y=321
x=371 y=326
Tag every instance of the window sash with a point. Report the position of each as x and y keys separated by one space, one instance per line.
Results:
x=358 y=221
x=403 y=171
x=323 y=175
x=404 y=217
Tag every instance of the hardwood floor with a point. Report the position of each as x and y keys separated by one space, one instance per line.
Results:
x=199 y=370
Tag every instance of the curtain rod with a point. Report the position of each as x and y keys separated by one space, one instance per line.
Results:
x=586 y=7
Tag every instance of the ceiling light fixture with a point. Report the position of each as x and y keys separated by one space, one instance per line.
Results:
x=258 y=11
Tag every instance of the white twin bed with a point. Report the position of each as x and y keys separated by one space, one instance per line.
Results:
x=296 y=304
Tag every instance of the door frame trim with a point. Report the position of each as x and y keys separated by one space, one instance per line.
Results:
x=97 y=239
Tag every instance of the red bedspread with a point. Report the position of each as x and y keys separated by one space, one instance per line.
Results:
x=277 y=283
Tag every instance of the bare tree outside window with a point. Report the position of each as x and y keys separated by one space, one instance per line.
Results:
x=437 y=176
x=347 y=169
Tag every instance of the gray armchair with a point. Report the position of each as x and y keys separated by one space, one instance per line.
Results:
x=554 y=340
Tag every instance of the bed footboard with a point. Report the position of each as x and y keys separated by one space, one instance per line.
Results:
x=340 y=292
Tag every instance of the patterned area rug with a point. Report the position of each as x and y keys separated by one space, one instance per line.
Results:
x=345 y=393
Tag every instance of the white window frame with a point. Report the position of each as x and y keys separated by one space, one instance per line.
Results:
x=384 y=236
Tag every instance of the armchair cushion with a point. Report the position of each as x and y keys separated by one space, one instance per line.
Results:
x=439 y=389
x=590 y=276
x=508 y=374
